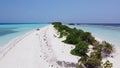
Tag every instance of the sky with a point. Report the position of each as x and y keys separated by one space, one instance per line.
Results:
x=67 y=11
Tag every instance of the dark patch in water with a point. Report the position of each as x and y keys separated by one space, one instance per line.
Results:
x=6 y=31
x=10 y=28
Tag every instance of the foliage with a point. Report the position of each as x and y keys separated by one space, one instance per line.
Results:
x=80 y=49
x=92 y=63
x=56 y=23
x=107 y=64
x=62 y=29
x=107 y=48
x=95 y=43
x=71 y=39
x=81 y=40
x=86 y=36
x=80 y=66
x=73 y=33
x=96 y=55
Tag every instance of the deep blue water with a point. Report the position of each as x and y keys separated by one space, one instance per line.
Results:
x=5 y=31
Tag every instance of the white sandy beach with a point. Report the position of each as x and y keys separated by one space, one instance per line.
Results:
x=38 y=49
x=42 y=49
x=116 y=55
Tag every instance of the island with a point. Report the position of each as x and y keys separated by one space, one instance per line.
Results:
x=56 y=46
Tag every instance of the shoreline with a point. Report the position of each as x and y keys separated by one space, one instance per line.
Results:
x=38 y=49
x=46 y=47
x=4 y=49
x=115 y=55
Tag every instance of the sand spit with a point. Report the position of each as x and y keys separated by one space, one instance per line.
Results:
x=38 y=49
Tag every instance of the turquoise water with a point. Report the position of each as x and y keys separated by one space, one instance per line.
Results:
x=10 y=31
x=106 y=33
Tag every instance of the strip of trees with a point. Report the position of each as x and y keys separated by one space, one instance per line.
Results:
x=82 y=40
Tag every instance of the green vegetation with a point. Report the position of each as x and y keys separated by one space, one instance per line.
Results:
x=107 y=64
x=92 y=63
x=80 y=49
x=82 y=40
x=73 y=35
x=107 y=48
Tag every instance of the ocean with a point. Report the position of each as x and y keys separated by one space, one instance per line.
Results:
x=106 y=32
x=9 y=31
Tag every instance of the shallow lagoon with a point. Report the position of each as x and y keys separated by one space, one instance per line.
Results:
x=10 y=31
